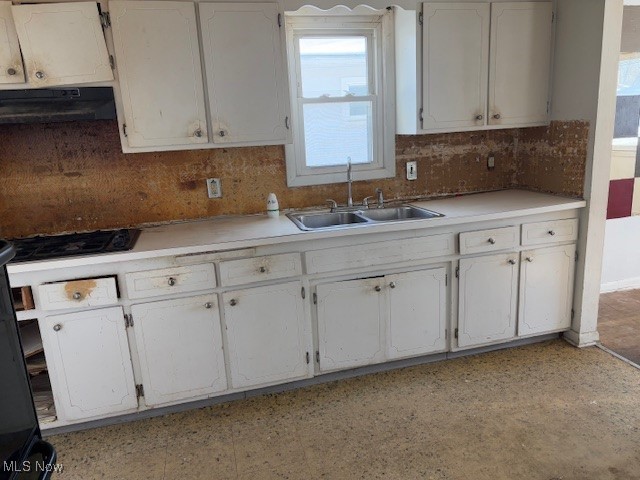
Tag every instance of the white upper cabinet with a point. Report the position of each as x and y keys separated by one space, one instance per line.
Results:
x=246 y=81
x=159 y=72
x=520 y=65
x=62 y=43
x=456 y=62
x=11 y=70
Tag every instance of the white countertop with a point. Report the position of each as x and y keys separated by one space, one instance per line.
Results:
x=230 y=233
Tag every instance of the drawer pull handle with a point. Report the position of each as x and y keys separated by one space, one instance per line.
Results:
x=479 y=117
x=233 y=302
x=171 y=281
x=552 y=233
x=12 y=71
x=39 y=75
x=529 y=259
x=492 y=241
x=263 y=269
x=512 y=261
x=392 y=285
x=57 y=327
x=77 y=296
x=377 y=288
x=208 y=305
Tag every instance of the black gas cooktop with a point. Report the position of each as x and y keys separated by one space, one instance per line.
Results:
x=56 y=246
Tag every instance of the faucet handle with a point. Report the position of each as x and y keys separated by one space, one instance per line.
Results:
x=333 y=204
x=380 y=197
x=365 y=202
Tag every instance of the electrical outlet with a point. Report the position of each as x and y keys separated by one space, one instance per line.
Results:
x=412 y=170
x=491 y=162
x=214 y=188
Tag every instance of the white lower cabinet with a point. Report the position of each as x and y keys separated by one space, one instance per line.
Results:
x=546 y=289
x=488 y=293
x=367 y=321
x=350 y=323
x=417 y=313
x=179 y=345
x=89 y=363
x=267 y=334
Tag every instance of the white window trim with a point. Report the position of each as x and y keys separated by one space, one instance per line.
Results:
x=380 y=28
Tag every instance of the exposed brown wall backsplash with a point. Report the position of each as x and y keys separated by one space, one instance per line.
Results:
x=72 y=177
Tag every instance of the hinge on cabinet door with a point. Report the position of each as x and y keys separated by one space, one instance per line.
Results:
x=279 y=20
x=457 y=272
x=318 y=356
x=446 y=280
x=308 y=359
x=420 y=18
x=446 y=333
x=128 y=320
x=139 y=390
x=421 y=115
x=286 y=122
x=573 y=313
x=553 y=17
x=124 y=129
x=455 y=333
x=105 y=19
x=303 y=292
x=548 y=107
x=576 y=255
x=315 y=298
x=112 y=62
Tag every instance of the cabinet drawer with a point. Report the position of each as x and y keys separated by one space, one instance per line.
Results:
x=380 y=253
x=489 y=240
x=554 y=231
x=90 y=292
x=257 y=269
x=166 y=281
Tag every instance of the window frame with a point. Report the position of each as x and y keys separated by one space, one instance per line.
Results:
x=378 y=29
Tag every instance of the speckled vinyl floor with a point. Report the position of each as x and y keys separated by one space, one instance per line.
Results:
x=619 y=323
x=547 y=411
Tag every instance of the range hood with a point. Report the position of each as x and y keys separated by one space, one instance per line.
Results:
x=56 y=105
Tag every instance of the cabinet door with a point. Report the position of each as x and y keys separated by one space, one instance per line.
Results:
x=245 y=72
x=179 y=344
x=89 y=363
x=520 y=62
x=350 y=323
x=546 y=289
x=62 y=43
x=11 y=70
x=455 y=64
x=266 y=334
x=417 y=313
x=487 y=299
x=160 y=78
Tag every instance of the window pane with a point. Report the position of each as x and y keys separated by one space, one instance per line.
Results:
x=332 y=133
x=329 y=65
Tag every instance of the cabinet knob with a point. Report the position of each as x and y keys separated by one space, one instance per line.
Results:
x=392 y=285
x=197 y=133
x=233 y=302
x=208 y=305
x=492 y=240
x=479 y=117
x=529 y=259
x=552 y=233
x=496 y=116
x=39 y=75
x=57 y=327
x=77 y=296
x=377 y=288
x=11 y=71
x=263 y=269
x=171 y=281
x=222 y=133
x=512 y=261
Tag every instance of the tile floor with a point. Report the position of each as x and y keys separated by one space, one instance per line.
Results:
x=547 y=411
x=619 y=323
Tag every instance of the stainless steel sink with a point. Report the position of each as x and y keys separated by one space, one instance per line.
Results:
x=406 y=212
x=332 y=220
x=316 y=221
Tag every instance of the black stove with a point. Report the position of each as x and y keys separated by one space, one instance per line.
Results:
x=56 y=246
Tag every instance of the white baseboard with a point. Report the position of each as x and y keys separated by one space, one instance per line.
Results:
x=627 y=284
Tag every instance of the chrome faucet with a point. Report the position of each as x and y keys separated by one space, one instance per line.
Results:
x=380 y=197
x=349 y=195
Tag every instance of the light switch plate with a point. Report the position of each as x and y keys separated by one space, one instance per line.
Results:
x=214 y=188
x=412 y=170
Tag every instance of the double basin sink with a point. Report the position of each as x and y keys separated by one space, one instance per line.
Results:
x=373 y=216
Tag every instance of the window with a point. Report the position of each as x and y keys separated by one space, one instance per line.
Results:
x=627 y=127
x=341 y=97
